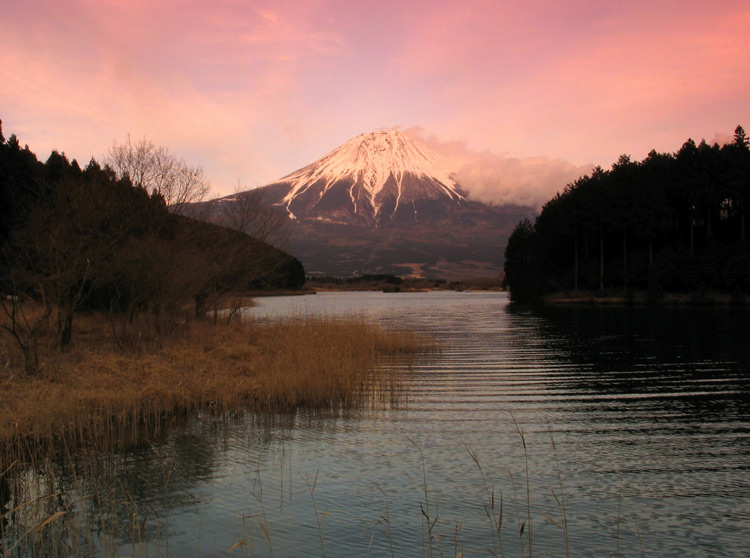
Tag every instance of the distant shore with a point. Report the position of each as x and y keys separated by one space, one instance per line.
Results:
x=390 y=283
x=643 y=297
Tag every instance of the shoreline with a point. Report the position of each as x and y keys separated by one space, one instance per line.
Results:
x=640 y=297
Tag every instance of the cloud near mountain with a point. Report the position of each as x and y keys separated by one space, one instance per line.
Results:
x=496 y=179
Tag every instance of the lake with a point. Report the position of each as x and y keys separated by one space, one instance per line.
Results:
x=603 y=431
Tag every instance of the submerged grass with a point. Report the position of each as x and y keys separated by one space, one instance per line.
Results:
x=75 y=508
x=122 y=382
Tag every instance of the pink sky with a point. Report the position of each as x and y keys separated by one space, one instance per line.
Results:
x=253 y=90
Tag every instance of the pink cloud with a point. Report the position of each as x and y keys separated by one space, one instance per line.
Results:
x=584 y=81
x=499 y=179
x=201 y=79
x=252 y=91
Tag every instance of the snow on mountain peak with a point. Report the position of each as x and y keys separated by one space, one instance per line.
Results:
x=368 y=162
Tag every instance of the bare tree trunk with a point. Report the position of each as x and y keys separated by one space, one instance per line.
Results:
x=742 y=220
x=575 y=281
x=28 y=347
x=24 y=328
x=624 y=259
x=200 y=305
x=64 y=324
x=601 y=260
x=650 y=252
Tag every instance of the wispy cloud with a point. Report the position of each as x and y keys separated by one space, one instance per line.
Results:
x=499 y=179
x=254 y=90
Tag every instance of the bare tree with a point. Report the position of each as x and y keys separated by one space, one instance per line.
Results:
x=66 y=239
x=249 y=213
x=155 y=169
x=23 y=322
x=63 y=250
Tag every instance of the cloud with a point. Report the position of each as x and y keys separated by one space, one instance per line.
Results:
x=721 y=138
x=253 y=90
x=499 y=179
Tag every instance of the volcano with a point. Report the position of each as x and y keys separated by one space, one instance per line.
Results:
x=383 y=203
x=376 y=178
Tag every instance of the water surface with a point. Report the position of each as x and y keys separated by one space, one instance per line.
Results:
x=648 y=410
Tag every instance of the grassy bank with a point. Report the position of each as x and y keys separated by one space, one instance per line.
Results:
x=124 y=375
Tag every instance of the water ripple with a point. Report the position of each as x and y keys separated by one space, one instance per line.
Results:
x=650 y=424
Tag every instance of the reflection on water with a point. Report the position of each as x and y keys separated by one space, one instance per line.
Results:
x=648 y=410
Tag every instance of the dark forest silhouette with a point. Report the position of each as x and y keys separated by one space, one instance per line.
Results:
x=74 y=239
x=672 y=222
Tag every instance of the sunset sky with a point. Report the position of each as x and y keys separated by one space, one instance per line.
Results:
x=253 y=90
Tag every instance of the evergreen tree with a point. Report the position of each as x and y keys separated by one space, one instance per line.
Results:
x=677 y=221
x=520 y=267
x=740 y=139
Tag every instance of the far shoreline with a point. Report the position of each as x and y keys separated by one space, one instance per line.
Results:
x=642 y=297
x=396 y=284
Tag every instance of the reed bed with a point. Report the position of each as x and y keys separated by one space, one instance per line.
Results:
x=123 y=381
x=120 y=379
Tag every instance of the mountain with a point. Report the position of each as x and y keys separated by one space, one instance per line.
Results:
x=372 y=179
x=382 y=203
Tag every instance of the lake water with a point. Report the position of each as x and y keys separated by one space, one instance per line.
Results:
x=637 y=419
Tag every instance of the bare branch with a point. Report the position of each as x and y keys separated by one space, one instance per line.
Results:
x=156 y=170
x=248 y=212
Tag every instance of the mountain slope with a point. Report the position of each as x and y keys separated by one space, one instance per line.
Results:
x=373 y=178
x=382 y=203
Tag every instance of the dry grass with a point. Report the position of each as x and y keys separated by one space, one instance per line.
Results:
x=138 y=377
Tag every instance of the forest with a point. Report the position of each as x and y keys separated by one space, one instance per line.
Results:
x=672 y=223
x=78 y=239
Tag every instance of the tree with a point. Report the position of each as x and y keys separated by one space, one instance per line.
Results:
x=24 y=324
x=740 y=139
x=737 y=165
x=156 y=170
x=19 y=169
x=229 y=261
x=677 y=220
x=67 y=231
x=248 y=213
x=521 y=273
x=73 y=239
x=65 y=243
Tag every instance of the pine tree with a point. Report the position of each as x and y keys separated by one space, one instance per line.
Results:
x=740 y=139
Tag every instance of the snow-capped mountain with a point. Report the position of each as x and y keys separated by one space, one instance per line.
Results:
x=377 y=177
x=382 y=203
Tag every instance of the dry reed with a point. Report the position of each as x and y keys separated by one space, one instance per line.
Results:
x=101 y=385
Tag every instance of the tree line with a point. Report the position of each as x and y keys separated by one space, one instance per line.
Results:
x=672 y=222
x=115 y=238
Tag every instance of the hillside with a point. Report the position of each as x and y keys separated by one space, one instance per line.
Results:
x=74 y=239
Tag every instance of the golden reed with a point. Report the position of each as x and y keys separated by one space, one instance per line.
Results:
x=120 y=376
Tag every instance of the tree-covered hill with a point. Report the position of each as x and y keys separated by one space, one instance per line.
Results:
x=75 y=238
x=672 y=222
